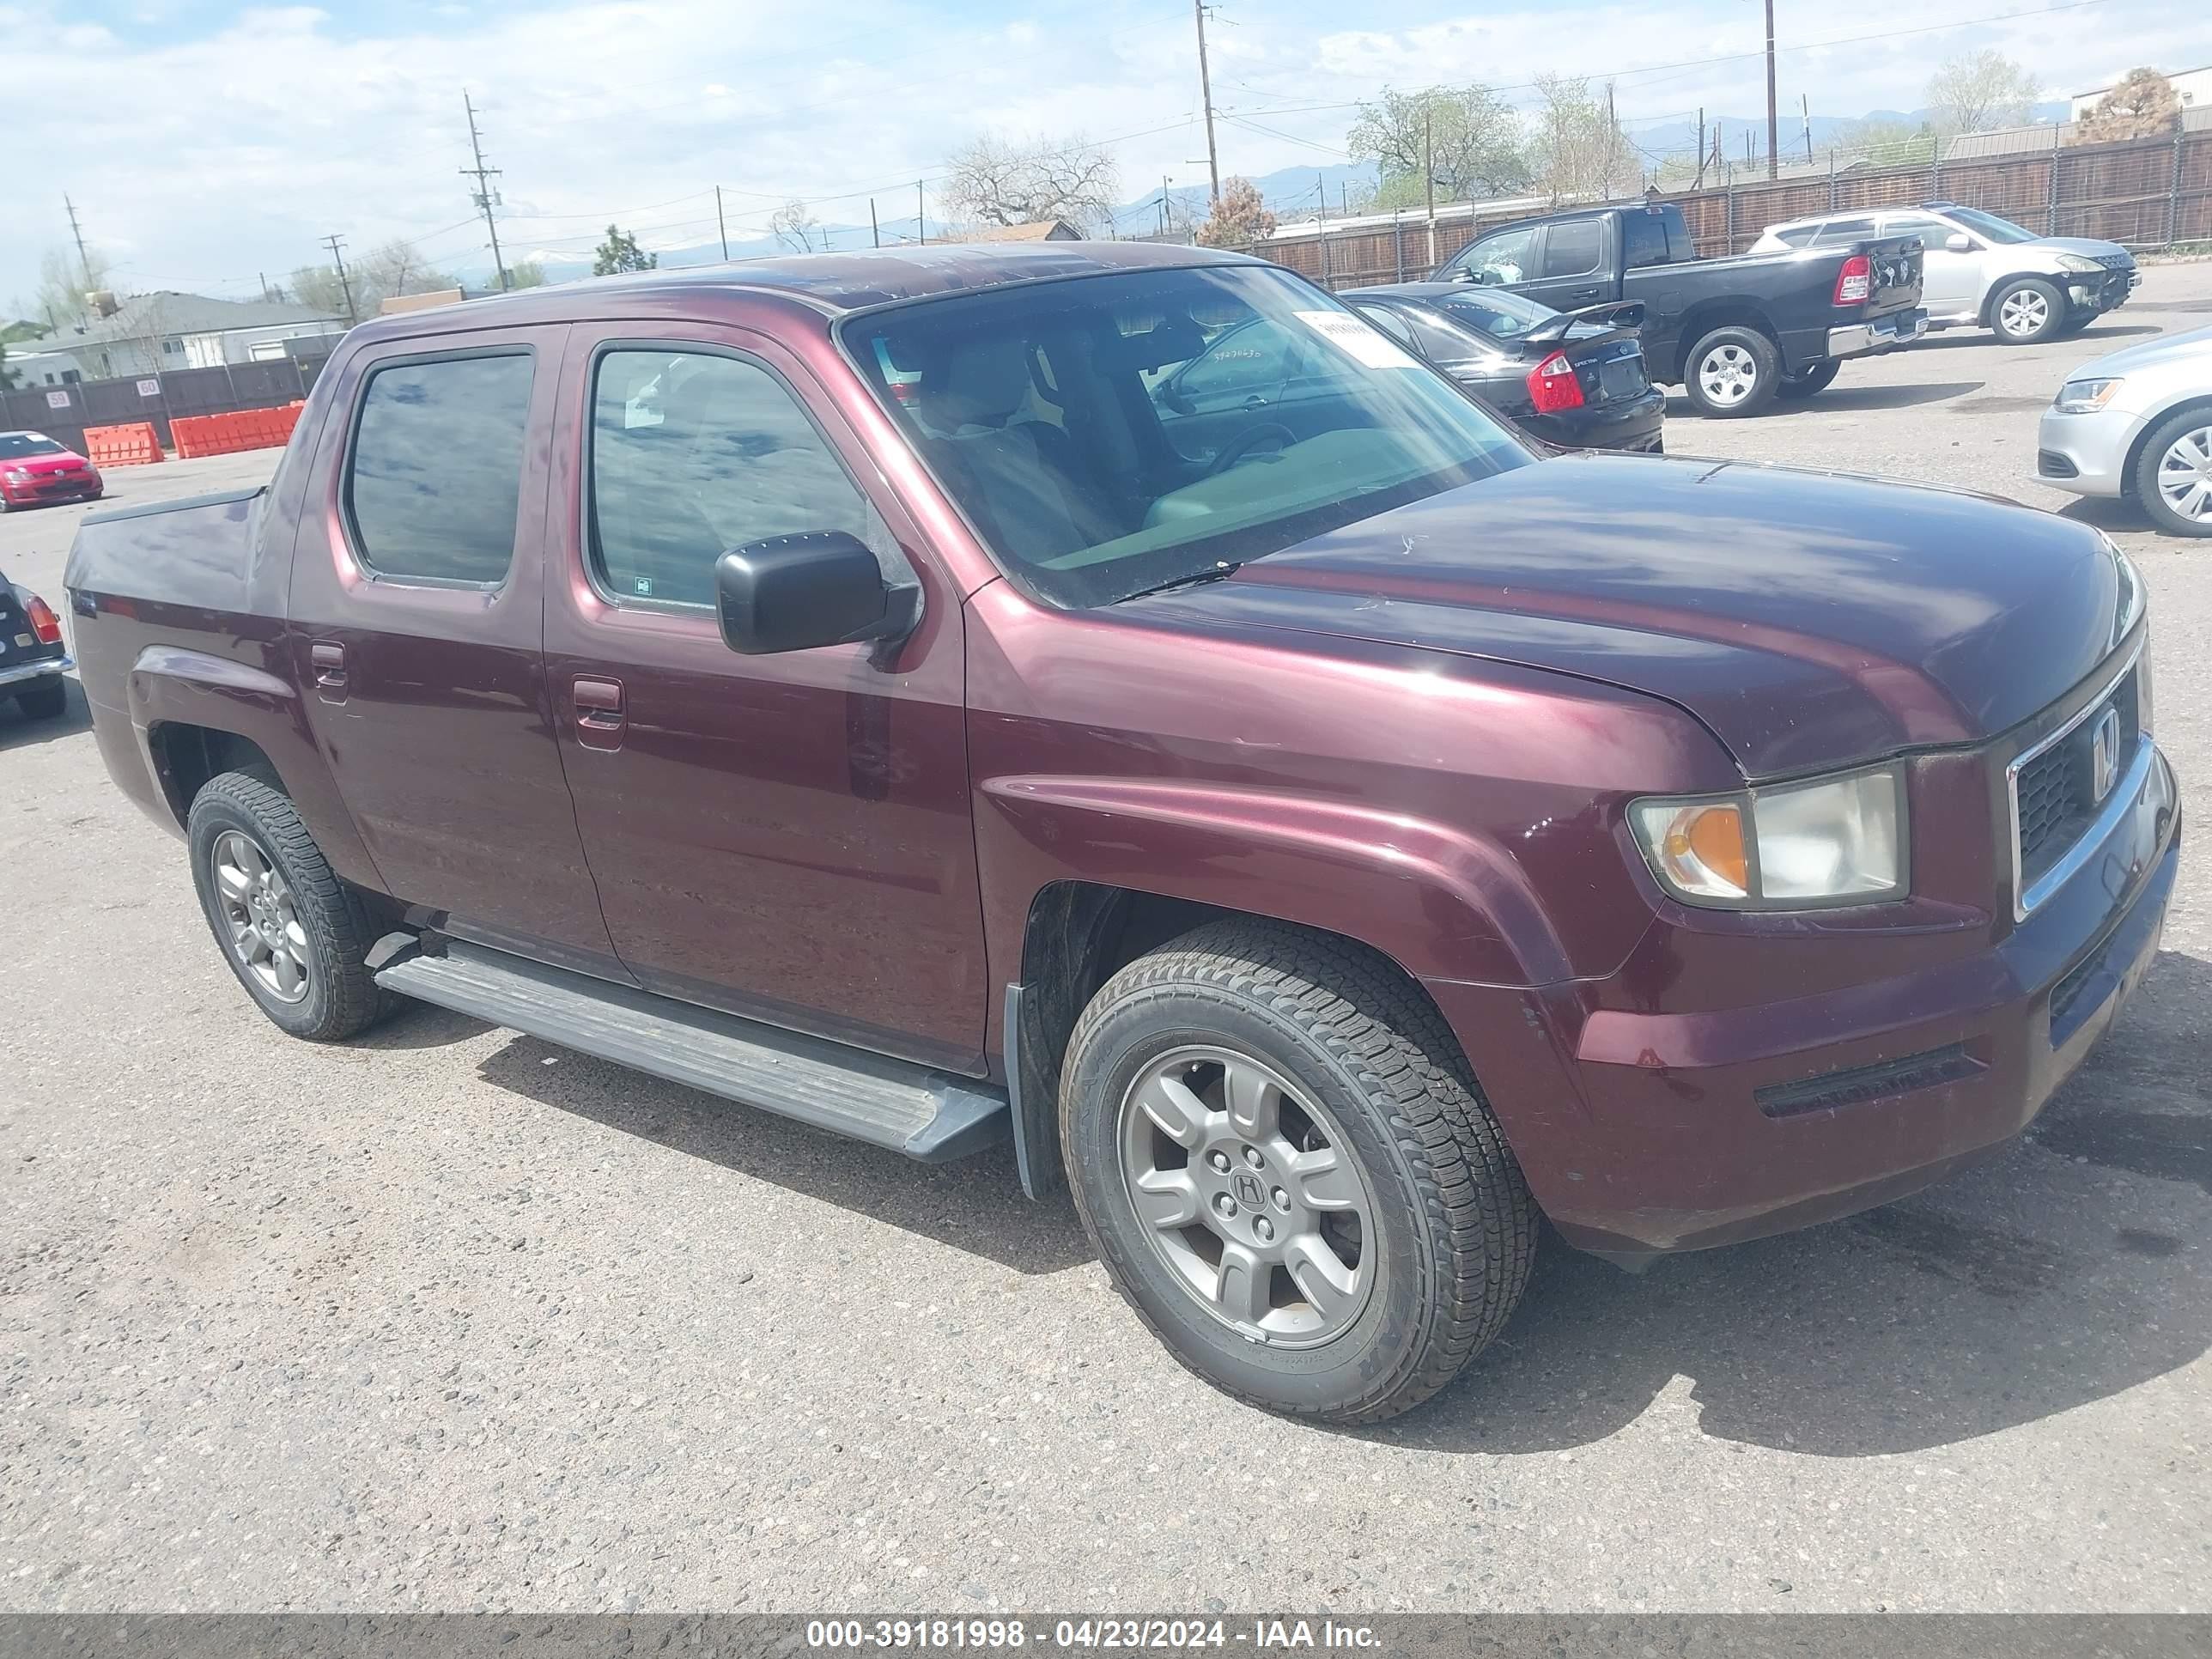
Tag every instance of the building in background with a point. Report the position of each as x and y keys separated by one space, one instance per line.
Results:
x=1041 y=230
x=152 y=333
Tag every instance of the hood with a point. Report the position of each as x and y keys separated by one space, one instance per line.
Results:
x=2163 y=352
x=2090 y=247
x=39 y=466
x=1809 y=620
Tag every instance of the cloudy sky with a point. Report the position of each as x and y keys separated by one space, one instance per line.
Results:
x=204 y=144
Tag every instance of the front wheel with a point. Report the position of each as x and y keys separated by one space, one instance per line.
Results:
x=1808 y=382
x=1288 y=1173
x=1733 y=372
x=2173 y=475
x=295 y=935
x=2027 y=311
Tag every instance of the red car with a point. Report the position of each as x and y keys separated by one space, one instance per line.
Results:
x=35 y=470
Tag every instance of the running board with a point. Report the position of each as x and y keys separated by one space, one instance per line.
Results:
x=888 y=1103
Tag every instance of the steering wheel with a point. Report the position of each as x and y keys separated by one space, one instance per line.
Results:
x=1248 y=440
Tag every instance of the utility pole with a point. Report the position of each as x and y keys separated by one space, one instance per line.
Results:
x=920 y=224
x=1701 y=184
x=83 y=258
x=1805 y=114
x=1612 y=132
x=486 y=196
x=334 y=243
x=723 y=230
x=1773 y=133
x=875 y=236
x=1205 y=96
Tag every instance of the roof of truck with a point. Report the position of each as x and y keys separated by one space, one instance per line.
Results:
x=832 y=283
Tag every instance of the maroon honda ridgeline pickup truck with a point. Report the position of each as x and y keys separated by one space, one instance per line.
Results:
x=1322 y=832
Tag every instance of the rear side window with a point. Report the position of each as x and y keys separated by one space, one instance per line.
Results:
x=1797 y=235
x=695 y=453
x=1838 y=232
x=1642 y=240
x=1574 y=249
x=435 y=470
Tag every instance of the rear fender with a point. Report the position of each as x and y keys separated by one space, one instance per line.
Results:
x=170 y=683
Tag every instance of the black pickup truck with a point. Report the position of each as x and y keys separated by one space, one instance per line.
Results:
x=1734 y=333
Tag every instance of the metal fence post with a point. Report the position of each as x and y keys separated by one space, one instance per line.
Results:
x=1832 y=178
x=1728 y=185
x=2051 y=212
x=1935 y=168
x=1398 y=227
x=1320 y=229
x=2173 y=192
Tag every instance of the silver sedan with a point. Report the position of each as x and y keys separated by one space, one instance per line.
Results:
x=2138 y=424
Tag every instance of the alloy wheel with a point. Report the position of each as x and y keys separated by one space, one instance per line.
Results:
x=264 y=930
x=1727 y=375
x=2023 y=312
x=2184 y=475
x=1247 y=1191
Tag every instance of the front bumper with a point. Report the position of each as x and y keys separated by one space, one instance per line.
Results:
x=2086 y=453
x=2094 y=292
x=1647 y=1132
x=1878 y=334
x=16 y=674
x=46 y=488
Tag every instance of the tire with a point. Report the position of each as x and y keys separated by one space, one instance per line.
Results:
x=2026 y=311
x=1731 y=373
x=1341 y=1055
x=43 y=702
x=2177 y=499
x=1809 y=382
x=337 y=997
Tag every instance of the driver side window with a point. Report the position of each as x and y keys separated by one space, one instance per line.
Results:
x=694 y=453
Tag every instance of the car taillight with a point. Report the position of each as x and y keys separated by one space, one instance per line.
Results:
x=1553 y=384
x=1855 y=282
x=44 y=624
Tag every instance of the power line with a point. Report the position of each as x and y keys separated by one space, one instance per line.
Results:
x=486 y=196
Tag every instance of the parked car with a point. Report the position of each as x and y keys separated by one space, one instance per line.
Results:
x=35 y=470
x=1733 y=333
x=1575 y=379
x=1983 y=271
x=1328 y=855
x=32 y=659
x=2137 y=424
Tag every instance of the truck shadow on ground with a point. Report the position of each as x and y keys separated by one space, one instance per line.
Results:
x=1954 y=339
x=1840 y=398
x=17 y=731
x=2072 y=1266
x=974 y=1205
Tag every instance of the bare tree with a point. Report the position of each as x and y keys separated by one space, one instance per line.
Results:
x=2143 y=104
x=396 y=268
x=1578 y=148
x=1977 y=91
x=59 y=297
x=797 y=229
x=1466 y=139
x=1240 y=218
x=999 y=181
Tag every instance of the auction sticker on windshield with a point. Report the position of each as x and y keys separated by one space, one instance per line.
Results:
x=1363 y=343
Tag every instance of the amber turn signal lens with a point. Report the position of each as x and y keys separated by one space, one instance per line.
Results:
x=1701 y=850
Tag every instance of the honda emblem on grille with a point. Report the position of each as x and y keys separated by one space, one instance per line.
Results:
x=2105 y=755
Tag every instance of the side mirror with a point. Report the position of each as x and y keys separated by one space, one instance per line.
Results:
x=800 y=593
x=1959 y=242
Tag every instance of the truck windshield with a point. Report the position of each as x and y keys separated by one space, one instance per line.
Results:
x=1109 y=435
x=1988 y=226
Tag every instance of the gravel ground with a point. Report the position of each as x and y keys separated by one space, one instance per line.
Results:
x=453 y=1318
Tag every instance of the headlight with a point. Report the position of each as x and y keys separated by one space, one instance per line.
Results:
x=1834 y=840
x=2077 y=262
x=15 y=474
x=2084 y=397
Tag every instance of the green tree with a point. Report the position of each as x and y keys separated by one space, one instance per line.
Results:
x=1239 y=219
x=8 y=376
x=621 y=252
x=1467 y=139
x=525 y=273
x=2143 y=104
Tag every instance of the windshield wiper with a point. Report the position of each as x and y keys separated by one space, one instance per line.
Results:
x=1219 y=572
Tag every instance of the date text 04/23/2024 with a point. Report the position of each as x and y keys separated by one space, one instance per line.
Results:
x=1106 y=1634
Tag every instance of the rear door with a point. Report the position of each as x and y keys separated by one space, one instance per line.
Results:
x=1950 y=283
x=417 y=633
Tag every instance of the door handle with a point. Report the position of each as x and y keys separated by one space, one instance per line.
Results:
x=599 y=715
x=1257 y=400
x=327 y=659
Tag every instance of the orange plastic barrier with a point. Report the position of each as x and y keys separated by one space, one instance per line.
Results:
x=133 y=444
x=225 y=434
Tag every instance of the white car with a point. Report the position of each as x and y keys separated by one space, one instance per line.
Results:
x=1979 y=271
x=2137 y=422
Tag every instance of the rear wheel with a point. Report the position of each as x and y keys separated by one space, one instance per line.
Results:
x=1807 y=382
x=1288 y=1173
x=2173 y=474
x=294 y=935
x=45 y=701
x=2026 y=311
x=1733 y=372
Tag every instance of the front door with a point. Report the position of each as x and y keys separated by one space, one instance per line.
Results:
x=416 y=627
x=786 y=837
